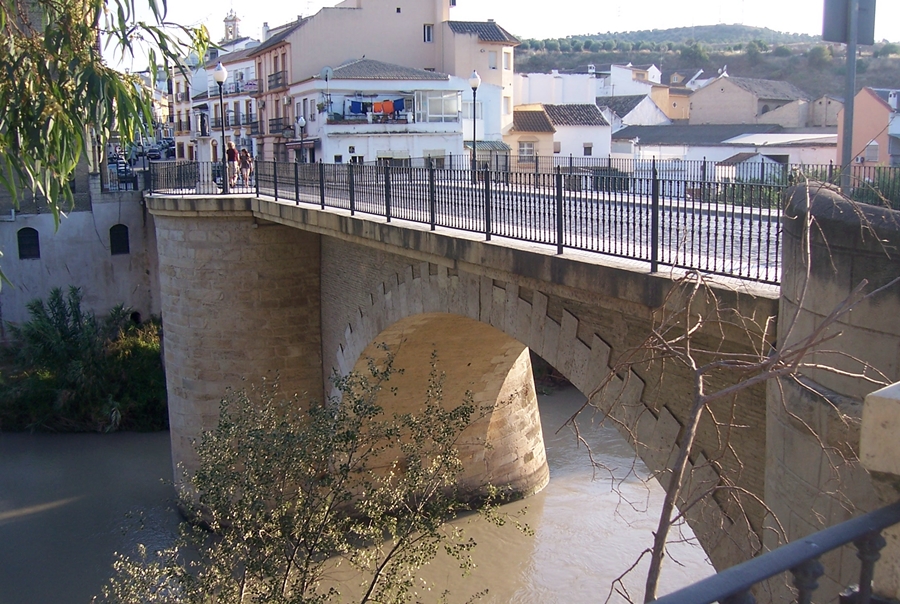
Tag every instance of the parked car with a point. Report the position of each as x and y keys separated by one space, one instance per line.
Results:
x=154 y=153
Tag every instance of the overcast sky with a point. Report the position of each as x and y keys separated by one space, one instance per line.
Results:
x=560 y=18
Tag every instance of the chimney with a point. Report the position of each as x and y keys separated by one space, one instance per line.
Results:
x=265 y=31
x=591 y=69
x=892 y=99
x=490 y=20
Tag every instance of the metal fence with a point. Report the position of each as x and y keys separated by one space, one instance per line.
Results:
x=729 y=229
x=801 y=559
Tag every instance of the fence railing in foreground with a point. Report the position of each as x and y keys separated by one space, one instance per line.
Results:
x=801 y=559
x=730 y=229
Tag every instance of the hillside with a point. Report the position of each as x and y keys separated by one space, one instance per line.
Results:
x=813 y=66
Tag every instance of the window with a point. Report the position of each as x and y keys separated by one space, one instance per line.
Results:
x=526 y=148
x=557 y=146
x=29 y=243
x=428 y=32
x=492 y=59
x=338 y=159
x=467 y=110
x=118 y=240
x=872 y=152
x=588 y=149
x=507 y=105
x=437 y=106
x=507 y=60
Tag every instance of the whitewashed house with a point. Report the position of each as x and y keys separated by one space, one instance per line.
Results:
x=634 y=110
x=368 y=110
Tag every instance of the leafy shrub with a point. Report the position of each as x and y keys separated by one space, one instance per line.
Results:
x=291 y=494
x=70 y=371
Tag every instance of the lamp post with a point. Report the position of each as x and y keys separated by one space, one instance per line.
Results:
x=220 y=75
x=301 y=123
x=474 y=82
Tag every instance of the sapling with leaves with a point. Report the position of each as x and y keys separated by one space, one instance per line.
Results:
x=292 y=493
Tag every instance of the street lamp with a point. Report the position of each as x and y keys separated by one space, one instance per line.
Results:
x=474 y=82
x=301 y=123
x=220 y=75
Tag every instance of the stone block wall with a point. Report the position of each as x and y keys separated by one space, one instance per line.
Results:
x=813 y=475
x=240 y=301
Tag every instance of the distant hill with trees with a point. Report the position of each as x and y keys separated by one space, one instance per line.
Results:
x=812 y=65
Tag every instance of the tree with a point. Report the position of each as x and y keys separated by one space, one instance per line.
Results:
x=819 y=57
x=782 y=51
x=588 y=45
x=56 y=87
x=291 y=494
x=577 y=45
x=887 y=50
x=624 y=46
x=609 y=45
x=695 y=54
x=551 y=45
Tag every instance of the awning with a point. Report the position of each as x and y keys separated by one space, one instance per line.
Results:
x=497 y=146
x=306 y=143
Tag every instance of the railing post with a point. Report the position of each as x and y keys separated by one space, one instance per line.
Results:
x=275 y=177
x=487 y=204
x=297 y=182
x=806 y=579
x=150 y=176
x=432 y=194
x=868 y=550
x=702 y=179
x=559 y=210
x=255 y=174
x=654 y=218
x=322 y=184
x=387 y=193
x=352 y=193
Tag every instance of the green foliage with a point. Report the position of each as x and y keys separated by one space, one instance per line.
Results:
x=291 y=495
x=56 y=87
x=695 y=54
x=887 y=50
x=819 y=57
x=551 y=45
x=782 y=51
x=76 y=372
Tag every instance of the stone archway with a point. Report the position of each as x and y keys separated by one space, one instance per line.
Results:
x=502 y=447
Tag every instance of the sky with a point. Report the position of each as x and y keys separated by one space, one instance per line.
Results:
x=560 y=18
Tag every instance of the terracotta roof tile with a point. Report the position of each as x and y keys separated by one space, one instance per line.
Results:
x=370 y=69
x=531 y=120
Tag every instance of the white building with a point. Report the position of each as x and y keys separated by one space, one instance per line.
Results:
x=368 y=110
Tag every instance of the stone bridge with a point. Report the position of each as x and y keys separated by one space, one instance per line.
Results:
x=251 y=287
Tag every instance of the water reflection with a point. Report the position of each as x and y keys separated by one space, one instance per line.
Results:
x=64 y=500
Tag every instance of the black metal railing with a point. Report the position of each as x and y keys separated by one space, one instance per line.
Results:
x=276 y=125
x=254 y=127
x=801 y=559
x=217 y=123
x=732 y=230
x=196 y=178
x=277 y=80
x=248 y=119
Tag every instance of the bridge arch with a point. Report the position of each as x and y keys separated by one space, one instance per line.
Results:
x=420 y=302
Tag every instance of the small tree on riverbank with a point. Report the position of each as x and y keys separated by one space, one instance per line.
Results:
x=341 y=501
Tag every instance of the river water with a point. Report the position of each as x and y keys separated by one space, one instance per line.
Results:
x=68 y=502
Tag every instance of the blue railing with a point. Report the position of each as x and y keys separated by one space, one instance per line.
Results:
x=730 y=229
x=801 y=559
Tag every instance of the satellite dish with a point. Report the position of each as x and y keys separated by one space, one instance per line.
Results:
x=326 y=74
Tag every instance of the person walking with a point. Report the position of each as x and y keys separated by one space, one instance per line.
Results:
x=231 y=155
x=246 y=163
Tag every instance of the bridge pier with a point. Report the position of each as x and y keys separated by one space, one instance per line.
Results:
x=813 y=475
x=240 y=300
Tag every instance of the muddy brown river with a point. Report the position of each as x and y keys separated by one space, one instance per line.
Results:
x=69 y=502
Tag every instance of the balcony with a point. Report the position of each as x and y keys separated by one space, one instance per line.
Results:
x=217 y=122
x=276 y=125
x=248 y=119
x=277 y=80
x=233 y=120
x=254 y=128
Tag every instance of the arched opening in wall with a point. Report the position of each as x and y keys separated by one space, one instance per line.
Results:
x=118 y=240
x=588 y=509
x=29 y=243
